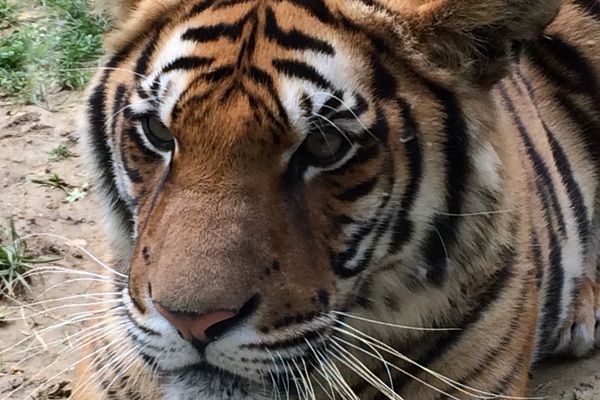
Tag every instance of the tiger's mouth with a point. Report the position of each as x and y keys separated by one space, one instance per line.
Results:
x=254 y=362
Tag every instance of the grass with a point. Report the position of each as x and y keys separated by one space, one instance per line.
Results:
x=47 y=46
x=72 y=193
x=8 y=13
x=61 y=152
x=55 y=182
x=15 y=261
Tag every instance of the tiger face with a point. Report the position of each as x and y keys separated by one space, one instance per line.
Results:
x=273 y=152
x=272 y=168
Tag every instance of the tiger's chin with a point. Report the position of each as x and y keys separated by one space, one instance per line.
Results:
x=206 y=382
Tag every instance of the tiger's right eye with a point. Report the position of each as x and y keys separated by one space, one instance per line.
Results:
x=324 y=146
x=158 y=133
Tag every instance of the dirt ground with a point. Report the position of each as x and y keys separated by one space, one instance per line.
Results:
x=38 y=345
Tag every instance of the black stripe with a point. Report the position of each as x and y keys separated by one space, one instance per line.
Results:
x=441 y=239
x=188 y=63
x=351 y=114
x=262 y=77
x=384 y=82
x=120 y=99
x=552 y=304
x=573 y=190
x=403 y=227
x=200 y=8
x=198 y=98
x=355 y=192
x=294 y=39
x=142 y=63
x=538 y=259
x=565 y=65
x=295 y=341
x=569 y=69
x=230 y=3
x=301 y=70
x=553 y=299
x=315 y=7
x=506 y=383
x=280 y=119
x=363 y=155
x=385 y=220
x=566 y=172
x=547 y=191
x=332 y=104
x=205 y=34
x=381 y=129
x=101 y=149
x=591 y=7
x=219 y=74
x=587 y=124
x=339 y=261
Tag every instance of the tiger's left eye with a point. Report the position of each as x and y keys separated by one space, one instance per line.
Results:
x=324 y=147
x=158 y=133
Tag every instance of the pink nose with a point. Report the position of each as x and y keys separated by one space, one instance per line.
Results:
x=194 y=326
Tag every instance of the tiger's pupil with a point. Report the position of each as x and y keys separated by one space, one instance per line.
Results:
x=158 y=133
x=323 y=145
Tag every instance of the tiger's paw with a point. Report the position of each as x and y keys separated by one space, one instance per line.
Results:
x=582 y=331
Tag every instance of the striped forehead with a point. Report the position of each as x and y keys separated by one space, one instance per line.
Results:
x=317 y=65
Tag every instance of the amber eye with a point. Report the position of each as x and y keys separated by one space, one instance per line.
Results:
x=324 y=147
x=158 y=134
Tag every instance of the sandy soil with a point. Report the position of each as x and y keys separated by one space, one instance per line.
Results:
x=39 y=347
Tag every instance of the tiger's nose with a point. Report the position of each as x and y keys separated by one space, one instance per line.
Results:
x=207 y=327
x=202 y=327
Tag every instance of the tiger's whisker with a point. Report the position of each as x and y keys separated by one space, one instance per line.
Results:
x=47 y=381
x=456 y=385
x=363 y=371
x=341 y=385
x=389 y=350
x=122 y=367
x=103 y=69
x=62 y=340
x=70 y=321
x=312 y=389
x=63 y=307
x=56 y=269
x=86 y=295
x=69 y=242
x=55 y=286
x=118 y=340
x=304 y=392
x=344 y=135
x=287 y=376
x=318 y=369
x=275 y=392
x=388 y=364
x=342 y=102
x=415 y=328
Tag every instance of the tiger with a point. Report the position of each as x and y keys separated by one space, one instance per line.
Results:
x=344 y=199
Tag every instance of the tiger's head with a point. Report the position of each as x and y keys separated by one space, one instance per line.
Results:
x=271 y=167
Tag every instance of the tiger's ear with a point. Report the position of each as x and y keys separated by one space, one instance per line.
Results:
x=470 y=40
x=120 y=10
x=134 y=17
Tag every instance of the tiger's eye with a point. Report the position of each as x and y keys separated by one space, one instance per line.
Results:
x=324 y=146
x=158 y=133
